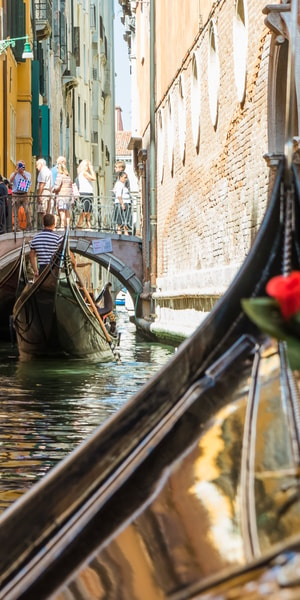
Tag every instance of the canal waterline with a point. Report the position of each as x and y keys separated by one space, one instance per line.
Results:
x=47 y=408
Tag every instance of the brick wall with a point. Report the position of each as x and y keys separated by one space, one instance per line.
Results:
x=210 y=208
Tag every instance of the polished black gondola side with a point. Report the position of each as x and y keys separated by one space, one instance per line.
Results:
x=131 y=497
x=13 y=278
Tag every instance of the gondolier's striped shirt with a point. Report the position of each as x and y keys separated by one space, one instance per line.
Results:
x=45 y=243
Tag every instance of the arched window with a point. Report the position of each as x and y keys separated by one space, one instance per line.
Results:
x=160 y=145
x=170 y=128
x=240 y=47
x=195 y=100
x=181 y=117
x=213 y=73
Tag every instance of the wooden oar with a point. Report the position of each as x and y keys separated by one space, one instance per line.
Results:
x=93 y=306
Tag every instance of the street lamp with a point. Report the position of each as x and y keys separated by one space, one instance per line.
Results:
x=4 y=44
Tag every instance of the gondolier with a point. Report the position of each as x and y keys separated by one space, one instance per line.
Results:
x=44 y=244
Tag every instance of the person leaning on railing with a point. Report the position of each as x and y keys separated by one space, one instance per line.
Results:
x=122 y=209
x=64 y=194
x=44 y=190
x=3 y=205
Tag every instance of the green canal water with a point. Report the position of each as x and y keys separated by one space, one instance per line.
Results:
x=47 y=408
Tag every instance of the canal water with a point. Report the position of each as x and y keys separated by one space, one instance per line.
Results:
x=47 y=408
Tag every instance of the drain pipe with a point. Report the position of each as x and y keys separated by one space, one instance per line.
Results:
x=152 y=165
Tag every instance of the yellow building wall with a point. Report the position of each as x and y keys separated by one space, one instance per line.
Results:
x=15 y=108
x=1 y=102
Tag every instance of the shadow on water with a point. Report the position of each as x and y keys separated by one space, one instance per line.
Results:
x=47 y=408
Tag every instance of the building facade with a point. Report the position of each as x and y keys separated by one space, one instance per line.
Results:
x=62 y=101
x=209 y=84
x=78 y=87
x=15 y=87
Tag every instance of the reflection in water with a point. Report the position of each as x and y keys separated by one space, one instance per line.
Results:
x=47 y=408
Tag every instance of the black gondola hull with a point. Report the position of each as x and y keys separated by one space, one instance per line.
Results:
x=188 y=482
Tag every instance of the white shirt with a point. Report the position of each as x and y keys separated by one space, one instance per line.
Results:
x=18 y=177
x=85 y=186
x=120 y=189
x=45 y=176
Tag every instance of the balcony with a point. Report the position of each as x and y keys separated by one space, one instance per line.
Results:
x=43 y=18
x=69 y=76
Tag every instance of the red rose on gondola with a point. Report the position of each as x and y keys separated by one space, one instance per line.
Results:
x=279 y=316
x=286 y=290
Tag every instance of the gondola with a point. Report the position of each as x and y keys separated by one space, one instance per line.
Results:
x=55 y=315
x=13 y=278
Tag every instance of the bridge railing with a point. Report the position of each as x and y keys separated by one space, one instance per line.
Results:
x=22 y=213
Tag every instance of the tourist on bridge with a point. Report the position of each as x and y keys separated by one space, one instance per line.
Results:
x=21 y=183
x=60 y=160
x=64 y=194
x=85 y=176
x=44 y=190
x=3 y=205
x=122 y=209
x=120 y=167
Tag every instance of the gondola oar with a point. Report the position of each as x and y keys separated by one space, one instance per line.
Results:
x=93 y=306
x=103 y=289
x=22 y=270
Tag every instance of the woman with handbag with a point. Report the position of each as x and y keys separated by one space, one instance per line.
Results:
x=64 y=194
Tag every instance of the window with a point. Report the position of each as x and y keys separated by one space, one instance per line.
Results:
x=182 y=117
x=143 y=25
x=84 y=121
x=84 y=63
x=76 y=45
x=195 y=100
x=160 y=145
x=101 y=28
x=1 y=24
x=78 y=115
x=213 y=68
x=170 y=129
x=240 y=46
x=16 y=18
x=13 y=134
x=93 y=16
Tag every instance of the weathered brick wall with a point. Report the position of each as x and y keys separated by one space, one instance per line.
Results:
x=209 y=210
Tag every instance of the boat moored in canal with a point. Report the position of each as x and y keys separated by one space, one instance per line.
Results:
x=56 y=315
x=13 y=278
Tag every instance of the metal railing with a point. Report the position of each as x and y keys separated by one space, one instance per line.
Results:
x=43 y=10
x=22 y=213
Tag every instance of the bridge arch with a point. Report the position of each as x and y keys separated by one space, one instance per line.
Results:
x=124 y=271
x=122 y=255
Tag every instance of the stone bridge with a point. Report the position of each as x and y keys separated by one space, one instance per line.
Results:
x=121 y=254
